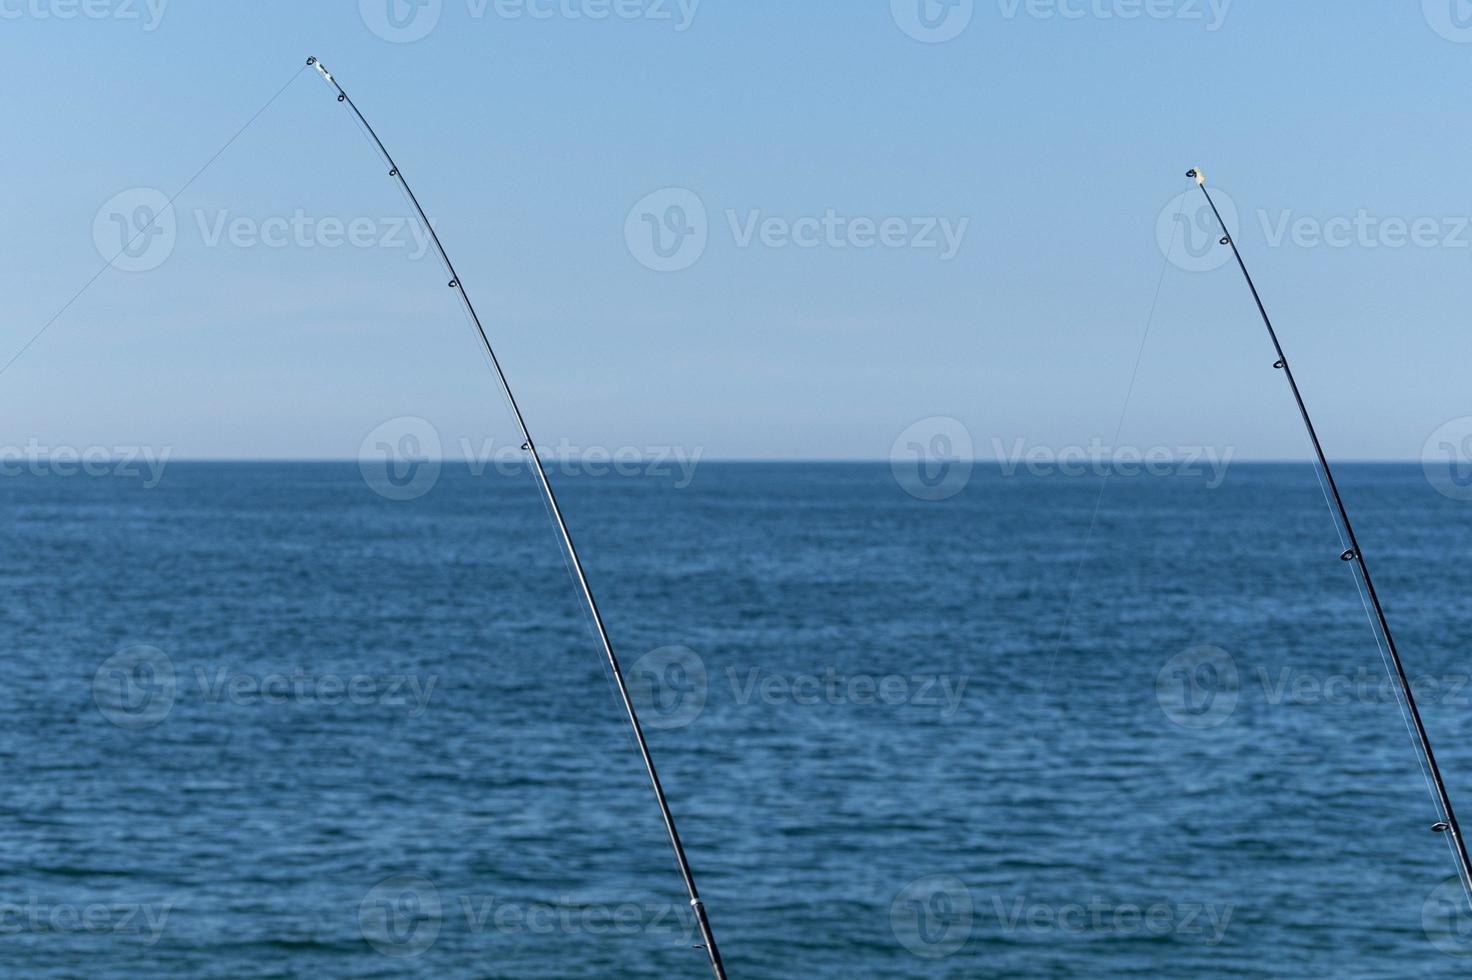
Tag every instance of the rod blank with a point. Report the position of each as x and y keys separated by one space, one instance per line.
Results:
x=1357 y=555
x=575 y=563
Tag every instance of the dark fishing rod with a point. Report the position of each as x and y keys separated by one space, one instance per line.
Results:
x=1449 y=824
x=550 y=498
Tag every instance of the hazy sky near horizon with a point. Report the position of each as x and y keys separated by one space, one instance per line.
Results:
x=753 y=229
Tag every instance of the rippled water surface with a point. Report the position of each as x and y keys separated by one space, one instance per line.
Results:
x=262 y=722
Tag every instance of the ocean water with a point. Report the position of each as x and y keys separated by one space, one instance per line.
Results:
x=261 y=721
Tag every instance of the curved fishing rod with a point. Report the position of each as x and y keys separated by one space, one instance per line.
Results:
x=1449 y=824
x=550 y=498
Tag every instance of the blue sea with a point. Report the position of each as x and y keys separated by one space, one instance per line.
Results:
x=261 y=720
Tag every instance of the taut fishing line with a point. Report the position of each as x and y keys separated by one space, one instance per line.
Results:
x=1400 y=701
x=1118 y=431
x=150 y=223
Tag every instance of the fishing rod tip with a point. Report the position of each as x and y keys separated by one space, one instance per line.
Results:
x=1197 y=176
x=320 y=69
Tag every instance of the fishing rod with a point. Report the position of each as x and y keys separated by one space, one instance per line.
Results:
x=1355 y=554
x=550 y=498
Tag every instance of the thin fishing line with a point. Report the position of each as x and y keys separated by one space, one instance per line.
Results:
x=129 y=243
x=1385 y=660
x=1118 y=430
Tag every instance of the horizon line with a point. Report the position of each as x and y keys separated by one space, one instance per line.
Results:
x=792 y=460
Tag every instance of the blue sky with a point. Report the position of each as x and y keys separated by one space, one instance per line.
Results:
x=896 y=226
